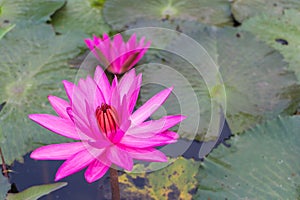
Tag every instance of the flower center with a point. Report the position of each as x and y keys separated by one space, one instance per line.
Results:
x=107 y=119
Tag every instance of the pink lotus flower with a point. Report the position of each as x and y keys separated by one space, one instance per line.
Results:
x=99 y=116
x=117 y=55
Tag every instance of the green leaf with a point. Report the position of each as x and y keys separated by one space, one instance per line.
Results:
x=35 y=192
x=5 y=29
x=79 y=16
x=36 y=11
x=282 y=33
x=257 y=83
x=120 y=13
x=244 y=9
x=31 y=68
x=5 y=186
x=176 y=181
x=261 y=164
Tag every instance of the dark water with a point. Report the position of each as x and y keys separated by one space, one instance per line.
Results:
x=33 y=172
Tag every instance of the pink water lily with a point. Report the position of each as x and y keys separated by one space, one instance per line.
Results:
x=117 y=55
x=101 y=117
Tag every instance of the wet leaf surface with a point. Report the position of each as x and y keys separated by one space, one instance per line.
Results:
x=31 y=69
x=262 y=163
x=257 y=82
x=216 y=12
x=80 y=17
x=282 y=33
x=244 y=9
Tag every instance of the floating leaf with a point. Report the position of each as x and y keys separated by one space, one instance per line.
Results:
x=5 y=186
x=120 y=13
x=176 y=181
x=31 y=68
x=37 y=11
x=258 y=84
x=244 y=9
x=35 y=192
x=281 y=33
x=261 y=164
x=79 y=16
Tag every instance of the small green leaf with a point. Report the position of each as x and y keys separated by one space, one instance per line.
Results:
x=263 y=163
x=35 y=192
x=4 y=186
x=121 y=13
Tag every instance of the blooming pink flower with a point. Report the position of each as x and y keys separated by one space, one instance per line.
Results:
x=117 y=55
x=100 y=116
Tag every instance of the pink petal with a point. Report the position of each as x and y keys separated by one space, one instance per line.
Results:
x=126 y=83
x=161 y=139
x=69 y=87
x=83 y=128
x=146 y=110
x=55 y=124
x=78 y=103
x=131 y=42
x=60 y=106
x=94 y=128
x=89 y=43
x=105 y=37
x=142 y=50
x=124 y=115
x=95 y=171
x=147 y=154
x=97 y=40
x=93 y=94
x=120 y=157
x=118 y=41
x=152 y=127
x=74 y=164
x=57 y=151
x=135 y=94
x=103 y=83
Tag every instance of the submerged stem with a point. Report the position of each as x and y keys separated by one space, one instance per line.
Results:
x=114 y=182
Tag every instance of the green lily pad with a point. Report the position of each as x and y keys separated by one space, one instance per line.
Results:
x=282 y=33
x=5 y=186
x=79 y=16
x=261 y=164
x=244 y=9
x=35 y=192
x=176 y=181
x=257 y=83
x=31 y=68
x=120 y=13
x=37 y=11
